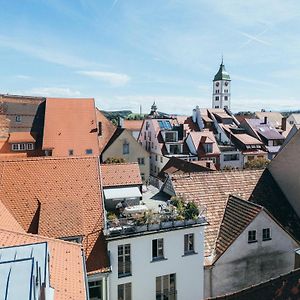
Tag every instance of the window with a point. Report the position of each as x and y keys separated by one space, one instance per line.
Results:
x=252 y=236
x=175 y=149
x=124 y=291
x=124 y=262
x=189 y=243
x=30 y=146
x=161 y=159
x=291 y=122
x=171 y=136
x=18 y=119
x=89 y=151
x=230 y=157
x=22 y=146
x=71 y=152
x=266 y=234
x=15 y=147
x=99 y=128
x=155 y=157
x=145 y=135
x=217 y=98
x=126 y=148
x=208 y=148
x=95 y=290
x=166 y=287
x=225 y=98
x=157 y=249
x=216 y=106
x=141 y=160
x=143 y=176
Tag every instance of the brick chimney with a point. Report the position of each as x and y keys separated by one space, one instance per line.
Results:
x=283 y=124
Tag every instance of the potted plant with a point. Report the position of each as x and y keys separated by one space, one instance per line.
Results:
x=179 y=221
x=191 y=213
x=112 y=219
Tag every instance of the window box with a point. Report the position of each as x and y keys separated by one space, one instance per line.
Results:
x=179 y=223
x=154 y=226
x=167 y=224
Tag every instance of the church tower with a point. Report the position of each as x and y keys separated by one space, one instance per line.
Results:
x=221 y=89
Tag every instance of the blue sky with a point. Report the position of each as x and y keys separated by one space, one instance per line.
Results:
x=127 y=53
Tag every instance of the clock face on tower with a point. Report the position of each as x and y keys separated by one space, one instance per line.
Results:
x=217 y=84
x=226 y=83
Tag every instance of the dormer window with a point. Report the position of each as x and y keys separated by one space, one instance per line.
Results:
x=208 y=148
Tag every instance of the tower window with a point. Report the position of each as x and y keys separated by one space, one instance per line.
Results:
x=217 y=98
x=225 y=98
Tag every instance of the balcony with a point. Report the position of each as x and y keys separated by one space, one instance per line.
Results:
x=172 y=216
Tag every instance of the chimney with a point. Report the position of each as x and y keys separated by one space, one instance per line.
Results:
x=194 y=115
x=283 y=124
x=265 y=120
x=121 y=122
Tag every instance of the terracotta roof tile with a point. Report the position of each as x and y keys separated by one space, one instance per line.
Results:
x=70 y=124
x=57 y=197
x=238 y=215
x=21 y=137
x=66 y=263
x=107 y=130
x=7 y=221
x=120 y=174
x=210 y=190
x=133 y=125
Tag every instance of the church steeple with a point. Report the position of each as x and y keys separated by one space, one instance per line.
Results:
x=221 y=88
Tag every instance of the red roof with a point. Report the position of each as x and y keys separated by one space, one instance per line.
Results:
x=21 y=137
x=70 y=124
x=66 y=264
x=133 y=125
x=57 y=197
x=120 y=174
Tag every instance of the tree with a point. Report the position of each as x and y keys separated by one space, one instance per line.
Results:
x=258 y=163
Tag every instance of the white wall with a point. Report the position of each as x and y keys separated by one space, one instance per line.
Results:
x=232 y=163
x=245 y=264
x=188 y=269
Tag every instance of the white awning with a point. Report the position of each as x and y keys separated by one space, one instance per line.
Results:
x=121 y=193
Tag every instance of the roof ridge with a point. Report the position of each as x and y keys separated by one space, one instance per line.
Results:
x=14 y=159
x=38 y=236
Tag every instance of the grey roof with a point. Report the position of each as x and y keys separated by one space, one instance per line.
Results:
x=222 y=73
x=265 y=130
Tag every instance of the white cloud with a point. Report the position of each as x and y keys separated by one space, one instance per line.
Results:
x=115 y=79
x=24 y=77
x=53 y=92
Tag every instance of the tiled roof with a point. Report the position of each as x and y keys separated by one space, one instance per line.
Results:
x=70 y=124
x=201 y=137
x=107 y=130
x=21 y=137
x=120 y=174
x=265 y=130
x=133 y=125
x=7 y=221
x=188 y=123
x=57 y=197
x=283 y=287
x=179 y=166
x=237 y=216
x=66 y=263
x=210 y=190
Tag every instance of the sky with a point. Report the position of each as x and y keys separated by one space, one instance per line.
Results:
x=130 y=53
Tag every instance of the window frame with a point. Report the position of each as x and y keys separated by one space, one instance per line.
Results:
x=158 y=249
x=165 y=286
x=123 y=290
x=267 y=237
x=252 y=236
x=125 y=148
x=124 y=260
x=88 y=151
x=189 y=243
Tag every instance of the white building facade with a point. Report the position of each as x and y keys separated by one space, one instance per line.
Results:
x=221 y=89
x=161 y=264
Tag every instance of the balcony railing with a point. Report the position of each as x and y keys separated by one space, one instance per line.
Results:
x=127 y=226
